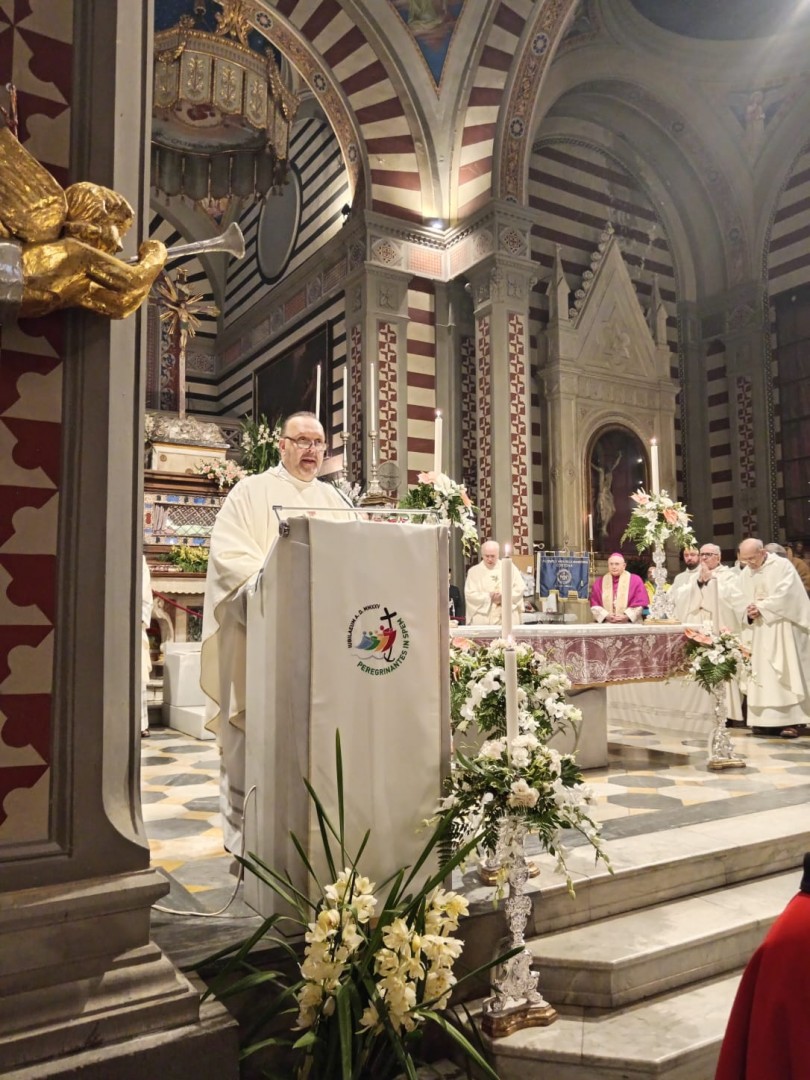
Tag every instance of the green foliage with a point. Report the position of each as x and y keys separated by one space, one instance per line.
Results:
x=191 y=559
x=342 y=1013
x=260 y=445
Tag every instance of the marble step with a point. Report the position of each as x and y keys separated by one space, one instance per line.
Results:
x=655 y=867
x=628 y=958
x=674 y=1037
x=648 y=869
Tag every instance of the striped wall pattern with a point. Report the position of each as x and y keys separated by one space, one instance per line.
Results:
x=718 y=404
x=474 y=182
x=316 y=158
x=516 y=346
x=336 y=389
x=232 y=393
x=196 y=276
x=421 y=399
x=483 y=349
x=395 y=181
x=387 y=391
x=575 y=190
x=469 y=424
x=787 y=265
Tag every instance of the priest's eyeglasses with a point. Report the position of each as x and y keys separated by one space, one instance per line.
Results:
x=303 y=443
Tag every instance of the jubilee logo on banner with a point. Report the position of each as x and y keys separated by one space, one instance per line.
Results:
x=379 y=639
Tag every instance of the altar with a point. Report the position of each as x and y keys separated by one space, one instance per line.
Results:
x=605 y=662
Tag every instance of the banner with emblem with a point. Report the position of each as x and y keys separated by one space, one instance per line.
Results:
x=565 y=572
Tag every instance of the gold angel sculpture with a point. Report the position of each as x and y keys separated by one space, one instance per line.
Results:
x=57 y=247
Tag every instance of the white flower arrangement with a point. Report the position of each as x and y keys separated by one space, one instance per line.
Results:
x=715 y=658
x=478 y=690
x=656 y=519
x=437 y=492
x=259 y=445
x=533 y=781
x=223 y=470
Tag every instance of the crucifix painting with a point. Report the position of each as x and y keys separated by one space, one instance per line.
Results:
x=617 y=466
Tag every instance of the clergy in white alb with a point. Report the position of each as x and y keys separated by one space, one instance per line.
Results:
x=713 y=597
x=691 y=561
x=482 y=589
x=246 y=528
x=618 y=596
x=778 y=619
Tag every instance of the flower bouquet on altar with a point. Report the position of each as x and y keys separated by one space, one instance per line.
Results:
x=223 y=470
x=656 y=519
x=259 y=445
x=450 y=502
x=713 y=660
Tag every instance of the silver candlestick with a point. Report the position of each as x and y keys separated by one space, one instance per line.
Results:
x=516 y=1003
x=721 y=750
x=374 y=493
x=662 y=607
x=343 y=474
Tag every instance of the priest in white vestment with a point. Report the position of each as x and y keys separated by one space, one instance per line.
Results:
x=713 y=597
x=777 y=615
x=691 y=562
x=244 y=532
x=482 y=589
x=618 y=596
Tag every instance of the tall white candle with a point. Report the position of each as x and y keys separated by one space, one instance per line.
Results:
x=656 y=484
x=510 y=668
x=318 y=391
x=372 y=390
x=437 y=442
x=590 y=528
x=345 y=401
x=506 y=591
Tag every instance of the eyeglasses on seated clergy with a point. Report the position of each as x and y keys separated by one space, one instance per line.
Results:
x=303 y=443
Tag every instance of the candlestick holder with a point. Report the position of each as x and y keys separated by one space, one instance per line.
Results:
x=662 y=608
x=343 y=473
x=516 y=1003
x=374 y=494
x=721 y=750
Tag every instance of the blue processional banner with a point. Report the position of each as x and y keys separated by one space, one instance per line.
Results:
x=565 y=573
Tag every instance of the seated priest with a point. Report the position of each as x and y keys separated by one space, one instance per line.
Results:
x=482 y=590
x=244 y=532
x=618 y=596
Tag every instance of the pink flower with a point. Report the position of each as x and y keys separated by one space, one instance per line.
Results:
x=426 y=477
x=465 y=498
x=670 y=516
x=640 y=497
x=695 y=635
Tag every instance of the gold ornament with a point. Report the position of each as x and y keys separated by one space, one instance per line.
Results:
x=58 y=245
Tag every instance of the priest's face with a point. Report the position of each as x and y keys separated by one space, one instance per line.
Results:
x=302 y=461
x=616 y=565
x=489 y=555
x=752 y=555
x=691 y=557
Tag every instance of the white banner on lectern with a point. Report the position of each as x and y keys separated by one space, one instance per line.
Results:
x=379 y=602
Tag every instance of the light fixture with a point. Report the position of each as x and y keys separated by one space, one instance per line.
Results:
x=222 y=113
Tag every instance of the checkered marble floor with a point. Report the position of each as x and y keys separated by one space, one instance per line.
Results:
x=655 y=780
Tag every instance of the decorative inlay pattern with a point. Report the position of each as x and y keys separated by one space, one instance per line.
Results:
x=516 y=344
x=484 y=356
x=387 y=390
x=745 y=427
x=356 y=425
x=469 y=419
